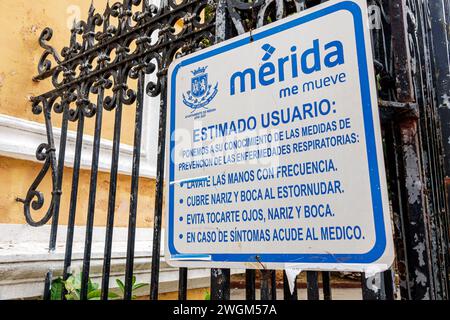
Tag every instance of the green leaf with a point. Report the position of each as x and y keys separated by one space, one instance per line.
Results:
x=94 y=295
x=92 y=286
x=57 y=289
x=121 y=285
x=73 y=283
x=74 y=295
x=138 y=286
x=113 y=296
x=77 y=282
x=70 y=284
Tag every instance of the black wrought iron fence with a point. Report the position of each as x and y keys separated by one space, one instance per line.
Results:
x=104 y=67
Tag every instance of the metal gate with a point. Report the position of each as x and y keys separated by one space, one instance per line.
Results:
x=134 y=38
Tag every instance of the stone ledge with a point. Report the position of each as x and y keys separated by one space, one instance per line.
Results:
x=25 y=260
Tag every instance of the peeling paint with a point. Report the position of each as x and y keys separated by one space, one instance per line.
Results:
x=445 y=101
x=413 y=183
x=373 y=283
x=420 y=249
x=221 y=13
x=421 y=279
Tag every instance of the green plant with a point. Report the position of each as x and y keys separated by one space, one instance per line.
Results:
x=72 y=289
x=135 y=286
x=57 y=289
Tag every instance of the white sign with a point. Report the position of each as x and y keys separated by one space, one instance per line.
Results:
x=274 y=149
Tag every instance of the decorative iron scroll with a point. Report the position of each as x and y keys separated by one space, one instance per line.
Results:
x=105 y=51
x=45 y=152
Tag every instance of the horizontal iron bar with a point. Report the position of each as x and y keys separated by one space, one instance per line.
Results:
x=390 y=109
x=102 y=71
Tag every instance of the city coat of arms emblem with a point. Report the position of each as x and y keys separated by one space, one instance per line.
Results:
x=201 y=93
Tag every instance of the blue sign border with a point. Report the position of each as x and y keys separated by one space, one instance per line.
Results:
x=380 y=244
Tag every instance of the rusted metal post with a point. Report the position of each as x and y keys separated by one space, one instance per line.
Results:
x=412 y=183
x=416 y=238
x=440 y=32
x=440 y=15
x=393 y=159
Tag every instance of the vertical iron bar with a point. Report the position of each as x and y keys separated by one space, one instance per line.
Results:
x=157 y=223
x=52 y=156
x=112 y=196
x=426 y=102
x=220 y=284
x=288 y=295
x=389 y=285
x=250 y=282
x=134 y=187
x=439 y=16
x=223 y=32
x=274 y=284
x=326 y=285
x=73 y=197
x=182 y=285
x=92 y=195
x=394 y=176
x=48 y=286
x=312 y=279
x=401 y=50
x=61 y=157
x=266 y=285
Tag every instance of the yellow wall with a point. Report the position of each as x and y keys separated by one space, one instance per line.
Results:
x=16 y=177
x=21 y=24
x=20 y=54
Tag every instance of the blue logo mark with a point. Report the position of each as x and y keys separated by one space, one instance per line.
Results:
x=269 y=51
x=201 y=93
